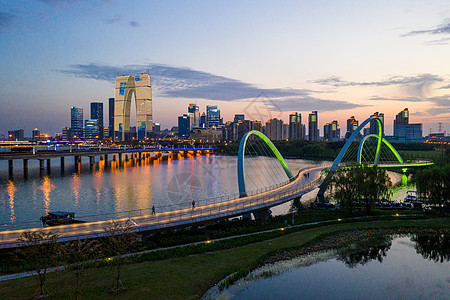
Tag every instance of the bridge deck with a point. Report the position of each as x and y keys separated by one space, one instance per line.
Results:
x=301 y=185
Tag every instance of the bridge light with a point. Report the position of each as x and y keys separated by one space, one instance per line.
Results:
x=339 y=220
x=397 y=215
x=208 y=242
x=281 y=229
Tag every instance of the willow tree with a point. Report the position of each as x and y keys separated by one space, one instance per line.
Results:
x=360 y=184
x=434 y=184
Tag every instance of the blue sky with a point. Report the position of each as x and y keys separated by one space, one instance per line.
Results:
x=261 y=58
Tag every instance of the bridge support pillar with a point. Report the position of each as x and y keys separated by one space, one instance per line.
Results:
x=49 y=169
x=41 y=166
x=11 y=168
x=91 y=162
x=263 y=214
x=105 y=157
x=120 y=158
x=25 y=168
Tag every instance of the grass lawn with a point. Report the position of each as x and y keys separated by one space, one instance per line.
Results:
x=191 y=276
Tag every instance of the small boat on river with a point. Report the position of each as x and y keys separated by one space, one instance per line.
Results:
x=59 y=218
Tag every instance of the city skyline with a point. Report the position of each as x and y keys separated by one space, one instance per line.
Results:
x=340 y=59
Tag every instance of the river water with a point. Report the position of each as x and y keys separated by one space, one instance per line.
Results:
x=104 y=193
x=414 y=267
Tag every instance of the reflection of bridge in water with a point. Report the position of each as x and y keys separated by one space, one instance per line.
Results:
x=257 y=202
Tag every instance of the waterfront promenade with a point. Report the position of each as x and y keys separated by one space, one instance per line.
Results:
x=261 y=200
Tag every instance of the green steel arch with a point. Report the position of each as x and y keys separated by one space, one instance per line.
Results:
x=241 y=156
x=361 y=145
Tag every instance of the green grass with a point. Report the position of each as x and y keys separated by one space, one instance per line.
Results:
x=189 y=277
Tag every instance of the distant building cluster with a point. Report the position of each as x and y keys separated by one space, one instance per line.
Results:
x=208 y=125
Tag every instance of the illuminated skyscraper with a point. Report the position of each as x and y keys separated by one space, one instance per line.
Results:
x=402 y=118
x=274 y=129
x=295 y=126
x=91 y=129
x=184 y=126
x=111 y=117
x=332 y=132
x=313 y=126
x=374 y=123
x=194 y=115
x=212 y=116
x=97 y=114
x=76 y=122
x=352 y=124
x=125 y=87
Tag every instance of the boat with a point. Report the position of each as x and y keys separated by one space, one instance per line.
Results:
x=59 y=218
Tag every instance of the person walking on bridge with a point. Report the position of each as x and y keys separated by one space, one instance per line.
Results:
x=193 y=204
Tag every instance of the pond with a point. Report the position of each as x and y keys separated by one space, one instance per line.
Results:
x=385 y=267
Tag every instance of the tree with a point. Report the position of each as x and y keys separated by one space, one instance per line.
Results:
x=41 y=252
x=434 y=184
x=120 y=239
x=360 y=183
x=77 y=255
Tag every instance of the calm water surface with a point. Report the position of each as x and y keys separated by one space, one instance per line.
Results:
x=414 y=267
x=105 y=193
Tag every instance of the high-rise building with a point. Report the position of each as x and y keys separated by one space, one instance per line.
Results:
x=212 y=116
x=156 y=127
x=202 y=120
x=239 y=117
x=194 y=115
x=274 y=129
x=91 y=129
x=404 y=132
x=35 y=134
x=16 y=135
x=184 y=126
x=76 y=122
x=331 y=132
x=402 y=118
x=97 y=114
x=111 y=117
x=352 y=125
x=125 y=87
x=374 y=124
x=285 y=134
x=65 y=134
x=313 y=129
x=295 y=127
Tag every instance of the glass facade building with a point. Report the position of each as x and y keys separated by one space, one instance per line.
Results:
x=76 y=122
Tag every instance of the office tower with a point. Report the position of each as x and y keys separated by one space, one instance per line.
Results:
x=76 y=122
x=331 y=132
x=405 y=132
x=194 y=115
x=313 y=130
x=65 y=134
x=402 y=118
x=212 y=116
x=105 y=132
x=274 y=129
x=203 y=120
x=16 y=135
x=111 y=118
x=295 y=126
x=374 y=123
x=184 y=126
x=125 y=87
x=156 y=127
x=352 y=125
x=35 y=134
x=91 y=129
x=239 y=117
x=285 y=134
x=97 y=114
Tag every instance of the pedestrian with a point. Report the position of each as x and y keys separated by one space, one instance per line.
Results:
x=153 y=210
x=193 y=204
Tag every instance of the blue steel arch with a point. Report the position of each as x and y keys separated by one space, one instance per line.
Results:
x=353 y=136
x=361 y=145
x=241 y=156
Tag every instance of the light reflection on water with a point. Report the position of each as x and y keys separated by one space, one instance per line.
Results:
x=105 y=191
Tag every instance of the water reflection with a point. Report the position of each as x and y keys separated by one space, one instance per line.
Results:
x=364 y=251
x=76 y=186
x=46 y=189
x=433 y=247
x=11 y=189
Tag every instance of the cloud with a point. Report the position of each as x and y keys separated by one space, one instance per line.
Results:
x=178 y=82
x=6 y=20
x=444 y=28
x=405 y=99
x=443 y=41
x=134 y=24
x=417 y=85
x=444 y=87
x=114 y=19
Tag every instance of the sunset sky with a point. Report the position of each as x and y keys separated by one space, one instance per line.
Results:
x=262 y=58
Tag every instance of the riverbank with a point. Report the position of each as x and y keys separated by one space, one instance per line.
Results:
x=190 y=276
